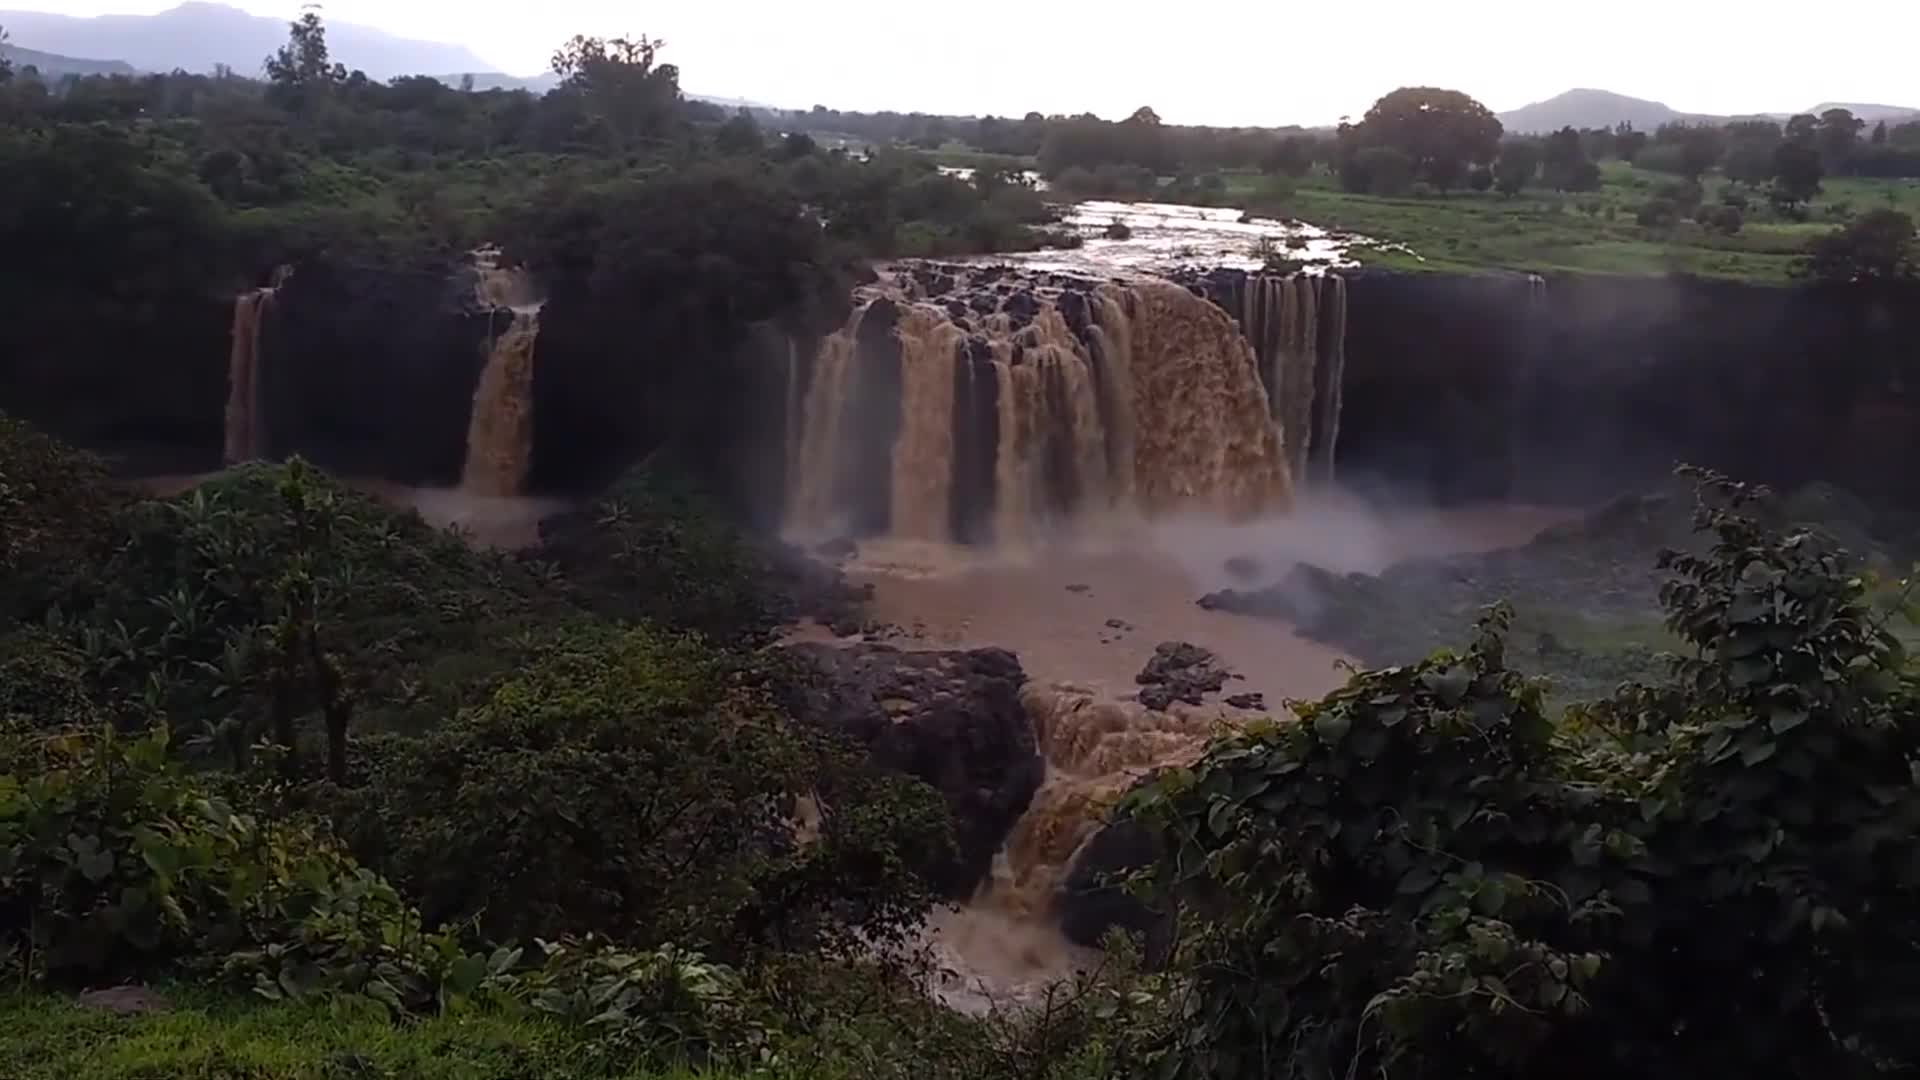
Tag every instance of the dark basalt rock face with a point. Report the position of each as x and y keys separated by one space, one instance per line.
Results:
x=372 y=373
x=144 y=385
x=1575 y=387
x=951 y=719
x=1092 y=899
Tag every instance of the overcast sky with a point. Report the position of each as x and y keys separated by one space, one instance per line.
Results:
x=1244 y=62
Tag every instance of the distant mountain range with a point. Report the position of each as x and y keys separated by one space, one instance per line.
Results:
x=1586 y=108
x=199 y=37
x=55 y=66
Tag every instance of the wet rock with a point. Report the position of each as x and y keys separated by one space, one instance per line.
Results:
x=1119 y=624
x=957 y=308
x=1118 y=230
x=1092 y=899
x=1076 y=312
x=125 y=1000
x=951 y=718
x=1179 y=671
x=1254 y=702
x=1082 y=589
x=1243 y=568
x=808 y=588
x=1022 y=304
x=984 y=303
x=1295 y=597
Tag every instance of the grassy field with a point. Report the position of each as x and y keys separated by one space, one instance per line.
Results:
x=1546 y=231
x=208 y=1037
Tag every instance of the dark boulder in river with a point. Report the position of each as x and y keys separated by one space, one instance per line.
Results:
x=952 y=719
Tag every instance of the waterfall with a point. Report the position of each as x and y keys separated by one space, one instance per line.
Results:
x=1095 y=749
x=923 y=454
x=814 y=467
x=1297 y=326
x=1330 y=379
x=500 y=427
x=949 y=421
x=1204 y=435
x=246 y=429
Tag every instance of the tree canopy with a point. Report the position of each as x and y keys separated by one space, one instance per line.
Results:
x=1442 y=132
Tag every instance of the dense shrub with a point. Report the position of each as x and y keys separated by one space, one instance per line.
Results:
x=114 y=863
x=55 y=505
x=1714 y=874
x=625 y=785
x=232 y=579
x=650 y=549
x=1880 y=246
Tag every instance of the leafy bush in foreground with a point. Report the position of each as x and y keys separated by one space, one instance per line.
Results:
x=1714 y=875
x=623 y=785
x=112 y=862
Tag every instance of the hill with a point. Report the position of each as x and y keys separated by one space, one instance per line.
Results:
x=493 y=80
x=198 y=37
x=1872 y=114
x=55 y=66
x=1589 y=109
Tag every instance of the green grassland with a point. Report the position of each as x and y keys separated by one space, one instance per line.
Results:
x=206 y=1035
x=1546 y=231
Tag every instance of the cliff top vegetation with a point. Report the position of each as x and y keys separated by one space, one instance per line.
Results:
x=1430 y=175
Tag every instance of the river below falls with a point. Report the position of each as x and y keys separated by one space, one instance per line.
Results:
x=1084 y=614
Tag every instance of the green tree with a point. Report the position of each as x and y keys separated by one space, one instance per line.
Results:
x=1879 y=245
x=631 y=96
x=1628 y=143
x=1291 y=156
x=1564 y=163
x=1442 y=132
x=740 y=135
x=6 y=63
x=301 y=74
x=1427 y=875
x=1797 y=171
x=1879 y=134
x=1838 y=133
x=1519 y=161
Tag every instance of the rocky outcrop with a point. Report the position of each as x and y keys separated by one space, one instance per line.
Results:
x=372 y=372
x=1093 y=897
x=1179 y=671
x=951 y=719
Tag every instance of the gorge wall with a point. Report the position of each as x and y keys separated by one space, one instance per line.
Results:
x=974 y=402
x=1577 y=387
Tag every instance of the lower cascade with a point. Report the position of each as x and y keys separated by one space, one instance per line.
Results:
x=500 y=427
x=975 y=404
x=246 y=421
x=500 y=430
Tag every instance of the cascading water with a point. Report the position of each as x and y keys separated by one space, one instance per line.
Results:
x=500 y=425
x=972 y=404
x=1095 y=749
x=500 y=428
x=246 y=421
x=931 y=415
x=1297 y=324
